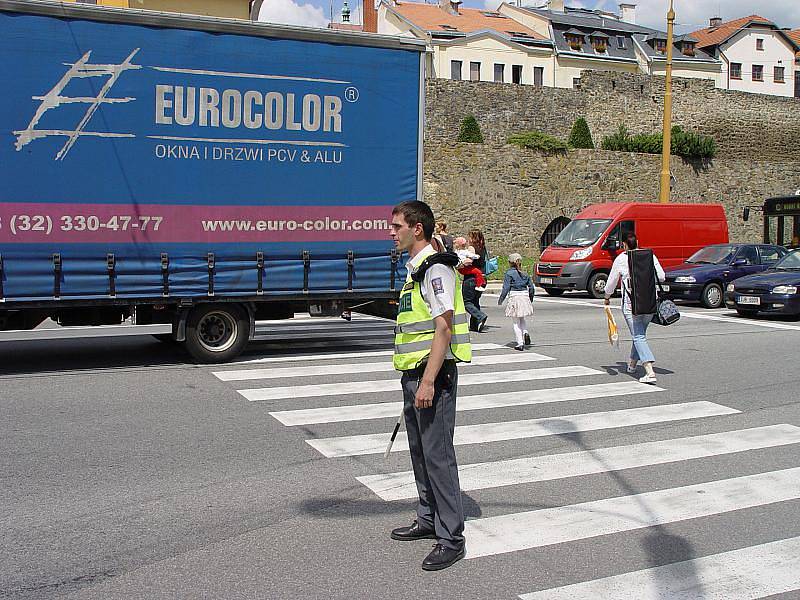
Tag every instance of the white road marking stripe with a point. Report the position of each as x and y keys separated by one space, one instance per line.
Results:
x=537 y=528
x=513 y=430
x=393 y=385
x=373 y=367
x=310 y=357
x=381 y=410
x=684 y=313
x=745 y=574
x=323 y=335
x=335 y=326
x=479 y=476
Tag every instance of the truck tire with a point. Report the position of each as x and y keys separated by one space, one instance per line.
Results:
x=712 y=296
x=597 y=285
x=216 y=333
x=553 y=291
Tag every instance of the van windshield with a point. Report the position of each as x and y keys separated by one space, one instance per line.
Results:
x=582 y=232
x=713 y=255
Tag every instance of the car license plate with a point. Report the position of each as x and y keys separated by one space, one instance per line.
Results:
x=545 y=280
x=665 y=287
x=748 y=300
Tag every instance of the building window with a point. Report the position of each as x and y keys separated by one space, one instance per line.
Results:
x=661 y=46
x=621 y=42
x=499 y=73
x=688 y=48
x=760 y=44
x=516 y=73
x=538 y=76
x=474 y=71
x=599 y=44
x=736 y=70
x=575 y=41
x=576 y=83
x=455 y=70
x=779 y=74
x=758 y=72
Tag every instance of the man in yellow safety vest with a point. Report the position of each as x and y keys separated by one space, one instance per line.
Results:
x=431 y=336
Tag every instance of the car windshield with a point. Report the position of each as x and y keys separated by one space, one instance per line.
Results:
x=713 y=255
x=582 y=232
x=790 y=262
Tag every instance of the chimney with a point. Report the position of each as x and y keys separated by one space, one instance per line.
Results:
x=715 y=21
x=556 y=5
x=628 y=13
x=450 y=6
x=369 y=16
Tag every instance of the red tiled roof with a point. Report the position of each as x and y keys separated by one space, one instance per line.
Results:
x=344 y=26
x=712 y=36
x=795 y=35
x=432 y=18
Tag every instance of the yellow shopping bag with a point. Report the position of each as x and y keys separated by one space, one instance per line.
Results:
x=613 y=335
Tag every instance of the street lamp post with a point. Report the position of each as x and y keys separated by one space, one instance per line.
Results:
x=667 y=147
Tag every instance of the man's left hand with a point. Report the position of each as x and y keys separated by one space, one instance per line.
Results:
x=424 y=397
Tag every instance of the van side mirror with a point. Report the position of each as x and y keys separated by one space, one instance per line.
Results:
x=611 y=243
x=746 y=213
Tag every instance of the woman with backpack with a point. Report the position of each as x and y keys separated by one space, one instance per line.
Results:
x=519 y=289
x=635 y=300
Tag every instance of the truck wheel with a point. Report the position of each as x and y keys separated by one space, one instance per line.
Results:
x=712 y=296
x=597 y=285
x=553 y=291
x=216 y=333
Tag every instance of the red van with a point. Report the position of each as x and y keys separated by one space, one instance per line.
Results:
x=580 y=258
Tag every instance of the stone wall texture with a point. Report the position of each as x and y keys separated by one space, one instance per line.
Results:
x=513 y=193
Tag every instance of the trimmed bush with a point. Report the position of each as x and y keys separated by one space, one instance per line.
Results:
x=470 y=131
x=536 y=140
x=686 y=144
x=580 y=136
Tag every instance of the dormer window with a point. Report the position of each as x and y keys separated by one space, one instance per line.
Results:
x=688 y=48
x=660 y=46
x=599 y=42
x=574 y=39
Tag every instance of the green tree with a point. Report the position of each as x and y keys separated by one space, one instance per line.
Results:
x=580 y=136
x=470 y=131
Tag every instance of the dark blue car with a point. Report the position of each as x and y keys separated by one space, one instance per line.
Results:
x=775 y=291
x=706 y=274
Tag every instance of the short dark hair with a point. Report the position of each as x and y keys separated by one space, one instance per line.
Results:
x=414 y=212
x=630 y=239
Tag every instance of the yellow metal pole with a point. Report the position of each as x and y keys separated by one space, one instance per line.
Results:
x=667 y=147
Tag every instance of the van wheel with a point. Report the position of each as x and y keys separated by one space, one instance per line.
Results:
x=747 y=313
x=216 y=333
x=712 y=296
x=553 y=291
x=597 y=285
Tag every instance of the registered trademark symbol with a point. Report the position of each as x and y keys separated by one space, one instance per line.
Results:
x=351 y=94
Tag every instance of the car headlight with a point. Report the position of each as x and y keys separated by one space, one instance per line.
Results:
x=581 y=254
x=785 y=289
x=730 y=287
x=685 y=279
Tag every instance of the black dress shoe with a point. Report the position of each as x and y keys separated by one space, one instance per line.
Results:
x=527 y=339
x=441 y=557
x=413 y=532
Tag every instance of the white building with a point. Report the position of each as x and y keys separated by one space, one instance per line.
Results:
x=757 y=56
x=470 y=43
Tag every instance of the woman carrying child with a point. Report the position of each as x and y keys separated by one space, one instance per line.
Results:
x=519 y=289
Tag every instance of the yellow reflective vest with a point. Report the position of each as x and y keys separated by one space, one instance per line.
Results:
x=414 y=331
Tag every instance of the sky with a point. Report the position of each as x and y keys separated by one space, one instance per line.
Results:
x=690 y=14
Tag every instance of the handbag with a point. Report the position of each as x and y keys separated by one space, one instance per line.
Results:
x=613 y=334
x=666 y=311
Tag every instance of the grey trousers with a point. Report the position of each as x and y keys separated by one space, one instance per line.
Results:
x=430 y=441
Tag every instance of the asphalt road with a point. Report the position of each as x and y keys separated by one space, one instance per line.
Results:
x=128 y=472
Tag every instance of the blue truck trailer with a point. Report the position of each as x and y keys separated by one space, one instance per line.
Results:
x=197 y=172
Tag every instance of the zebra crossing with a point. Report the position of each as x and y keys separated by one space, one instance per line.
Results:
x=302 y=395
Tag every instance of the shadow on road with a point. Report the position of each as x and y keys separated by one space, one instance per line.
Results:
x=620 y=368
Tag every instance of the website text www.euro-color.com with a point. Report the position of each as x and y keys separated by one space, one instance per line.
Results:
x=326 y=224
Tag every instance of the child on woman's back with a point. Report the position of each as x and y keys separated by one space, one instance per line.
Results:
x=466 y=254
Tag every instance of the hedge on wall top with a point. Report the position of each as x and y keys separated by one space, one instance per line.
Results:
x=470 y=131
x=580 y=136
x=686 y=144
x=536 y=140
